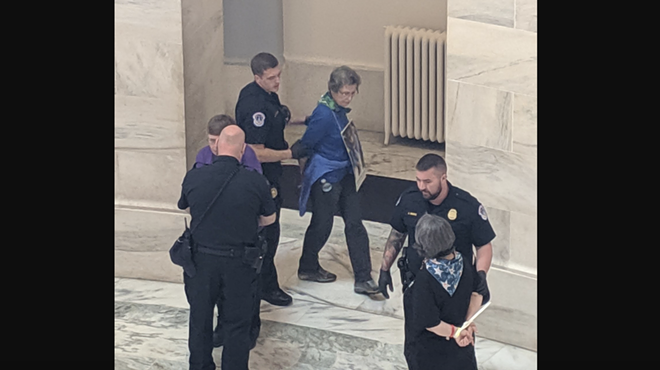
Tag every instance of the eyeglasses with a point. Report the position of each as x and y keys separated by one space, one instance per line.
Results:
x=346 y=94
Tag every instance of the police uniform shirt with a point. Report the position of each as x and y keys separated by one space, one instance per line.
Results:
x=465 y=214
x=232 y=221
x=263 y=119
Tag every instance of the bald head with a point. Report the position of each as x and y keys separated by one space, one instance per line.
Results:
x=231 y=142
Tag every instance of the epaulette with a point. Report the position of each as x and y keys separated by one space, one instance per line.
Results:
x=408 y=192
x=464 y=195
x=411 y=189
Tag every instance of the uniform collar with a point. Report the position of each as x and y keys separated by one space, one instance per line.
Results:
x=225 y=159
x=450 y=192
x=450 y=188
x=254 y=87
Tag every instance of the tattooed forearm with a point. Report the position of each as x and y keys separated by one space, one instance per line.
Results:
x=392 y=248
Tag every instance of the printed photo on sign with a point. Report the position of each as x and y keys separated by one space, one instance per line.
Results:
x=352 y=142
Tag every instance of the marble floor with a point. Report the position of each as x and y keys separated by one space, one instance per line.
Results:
x=328 y=326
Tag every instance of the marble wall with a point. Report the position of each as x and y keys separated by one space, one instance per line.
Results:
x=203 y=69
x=520 y=14
x=149 y=103
x=491 y=147
x=168 y=55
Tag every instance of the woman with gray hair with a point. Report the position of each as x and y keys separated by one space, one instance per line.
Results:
x=329 y=181
x=444 y=297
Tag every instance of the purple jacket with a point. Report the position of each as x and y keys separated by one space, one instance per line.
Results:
x=249 y=160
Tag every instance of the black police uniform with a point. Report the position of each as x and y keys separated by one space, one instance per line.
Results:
x=255 y=328
x=220 y=240
x=467 y=218
x=263 y=119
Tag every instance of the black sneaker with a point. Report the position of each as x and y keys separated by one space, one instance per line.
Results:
x=366 y=287
x=277 y=297
x=319 y=276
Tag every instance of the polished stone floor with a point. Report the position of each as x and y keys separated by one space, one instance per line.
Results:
x=328 y=326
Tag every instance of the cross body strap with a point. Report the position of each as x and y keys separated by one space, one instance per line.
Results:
x=216 y=197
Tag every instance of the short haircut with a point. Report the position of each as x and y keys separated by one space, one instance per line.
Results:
x=434 y=236
x=262 y=62
x=343 y=76
x=431 y=160
x=219 y=122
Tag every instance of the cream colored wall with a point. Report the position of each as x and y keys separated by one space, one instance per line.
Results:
x=351 y=32
x=320 y=36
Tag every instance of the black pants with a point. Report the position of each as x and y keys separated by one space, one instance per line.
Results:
x=255 y=326
x=268 y=274
x=237 y=283
x=324 y=206
x=414 y=361
x=408 y=346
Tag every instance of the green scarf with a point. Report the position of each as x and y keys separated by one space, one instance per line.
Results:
x=329 y=102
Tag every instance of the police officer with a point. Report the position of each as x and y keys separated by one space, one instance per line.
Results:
x=249 y=160
x=437 y=196
x=225 y=253
x=263 y=118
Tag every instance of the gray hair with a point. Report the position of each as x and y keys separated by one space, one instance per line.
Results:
x=342 y=76
x=433 y=236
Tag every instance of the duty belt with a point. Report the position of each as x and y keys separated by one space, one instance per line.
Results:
x=222 y=252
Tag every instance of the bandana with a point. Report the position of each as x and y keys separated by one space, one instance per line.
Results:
x=327 y=100
x=446 y=272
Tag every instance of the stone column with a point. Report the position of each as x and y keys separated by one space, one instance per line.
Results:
x=491 y=147
x=203 y=70
x=168 y=54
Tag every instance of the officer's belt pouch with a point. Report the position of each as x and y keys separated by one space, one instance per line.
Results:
x=181 y=252
x=253 y=257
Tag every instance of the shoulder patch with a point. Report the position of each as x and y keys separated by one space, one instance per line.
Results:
x=482 y=212
x=258 y=119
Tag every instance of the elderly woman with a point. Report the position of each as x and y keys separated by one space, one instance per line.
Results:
x=443 y=299
x=328 y=180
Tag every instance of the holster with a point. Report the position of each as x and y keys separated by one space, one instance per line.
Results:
x=254 y=256
x=404 y=270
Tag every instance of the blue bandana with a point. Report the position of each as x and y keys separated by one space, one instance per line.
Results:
x=446 y=272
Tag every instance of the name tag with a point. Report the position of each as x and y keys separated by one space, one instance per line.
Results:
x=412 y=214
